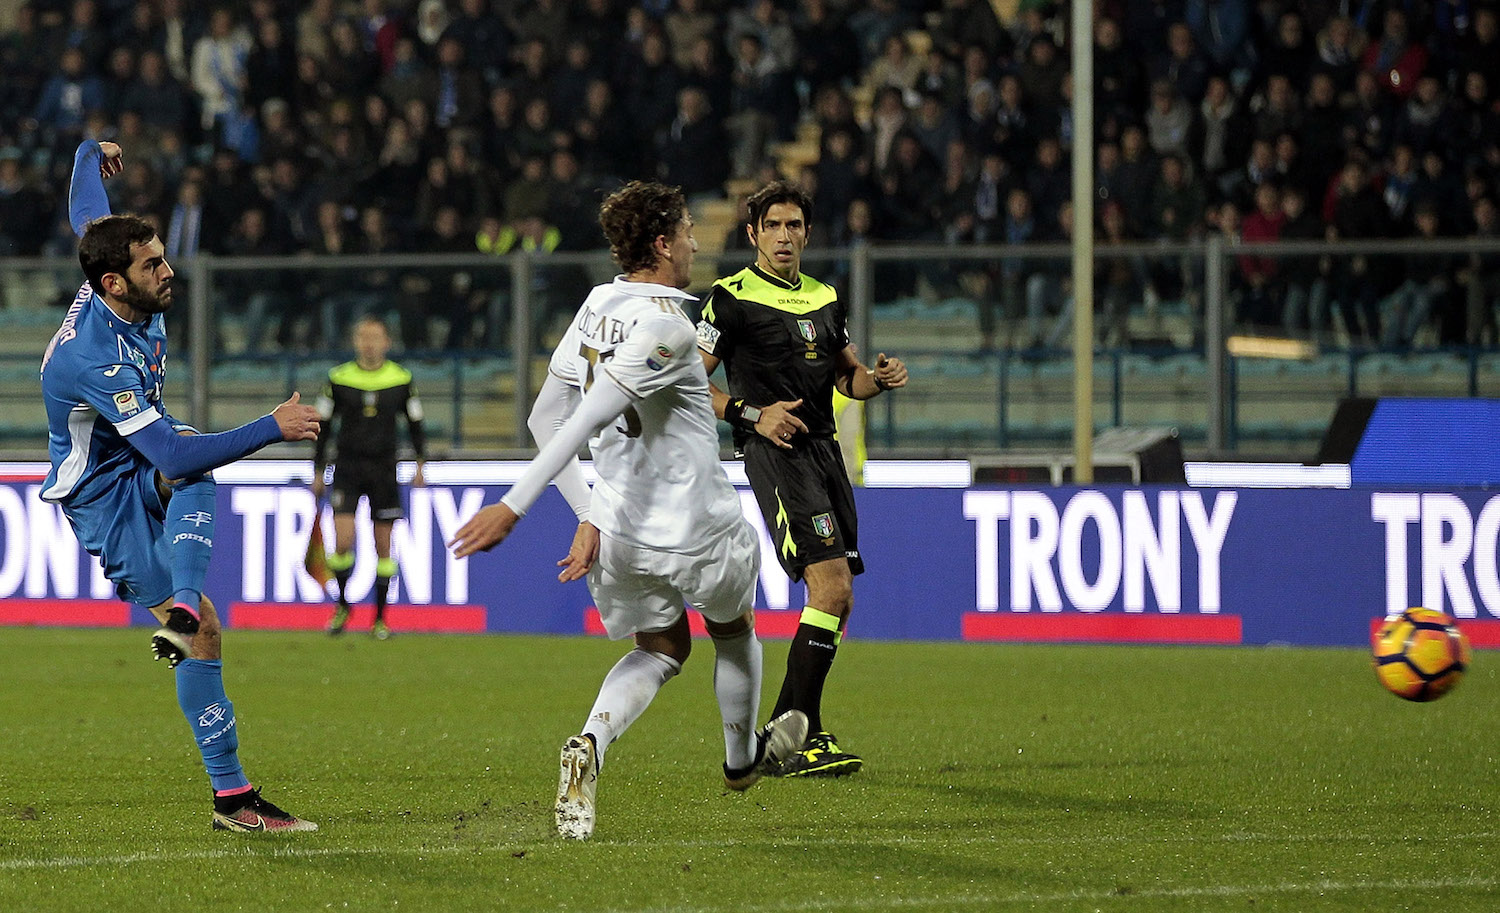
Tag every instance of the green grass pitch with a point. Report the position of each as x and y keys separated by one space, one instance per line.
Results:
x=997 y=778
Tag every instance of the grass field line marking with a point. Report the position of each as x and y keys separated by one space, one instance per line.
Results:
x=1028 y=897
x=259 y=849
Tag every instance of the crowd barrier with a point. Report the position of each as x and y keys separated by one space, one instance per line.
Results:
x=945 y=561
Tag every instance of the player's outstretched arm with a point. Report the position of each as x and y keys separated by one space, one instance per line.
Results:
x=92 y=164
x=604 y=403
x=177 y=456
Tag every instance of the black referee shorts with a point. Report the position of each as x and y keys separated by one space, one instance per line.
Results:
x=374 y=479
x=807 y=501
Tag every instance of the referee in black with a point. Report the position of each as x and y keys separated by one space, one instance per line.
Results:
x=785 y=347
x=363 y=397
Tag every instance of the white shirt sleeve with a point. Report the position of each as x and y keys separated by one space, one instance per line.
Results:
x=601 y=405
x=555 y=402
x=659 y=349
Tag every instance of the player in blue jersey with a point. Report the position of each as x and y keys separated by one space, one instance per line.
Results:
x=134 y=482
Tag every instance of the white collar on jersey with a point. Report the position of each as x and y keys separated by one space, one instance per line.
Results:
x=649 y=289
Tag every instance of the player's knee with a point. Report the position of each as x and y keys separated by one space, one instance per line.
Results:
x=730 y=629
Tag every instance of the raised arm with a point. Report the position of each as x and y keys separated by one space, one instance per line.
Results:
x=92 y=164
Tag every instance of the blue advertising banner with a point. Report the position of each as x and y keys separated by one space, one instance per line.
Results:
x=1106 y=564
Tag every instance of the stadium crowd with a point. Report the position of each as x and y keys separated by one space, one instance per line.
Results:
x=335 y=126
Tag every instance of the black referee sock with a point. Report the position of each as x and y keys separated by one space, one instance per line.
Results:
x=807 y=664
x=382 y=587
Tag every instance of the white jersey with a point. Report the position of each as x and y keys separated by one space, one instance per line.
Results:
x=661 y=484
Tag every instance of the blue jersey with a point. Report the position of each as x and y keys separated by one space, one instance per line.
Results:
x=101 y=381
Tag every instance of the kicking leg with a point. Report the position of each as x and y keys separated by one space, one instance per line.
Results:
x=209 y=712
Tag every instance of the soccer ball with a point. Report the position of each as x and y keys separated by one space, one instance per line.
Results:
x=1420 y=654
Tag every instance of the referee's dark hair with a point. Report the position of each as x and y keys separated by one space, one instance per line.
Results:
x=106 y=243
x=773 y=193
x=634 y=216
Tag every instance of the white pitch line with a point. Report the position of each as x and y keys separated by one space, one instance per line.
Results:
x=262 y=847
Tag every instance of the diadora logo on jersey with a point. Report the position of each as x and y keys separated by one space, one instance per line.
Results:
x=127 y=403
x=823 y=525
x=808 y=330
x=708 y=336
x=198 y=517
x=211 y=714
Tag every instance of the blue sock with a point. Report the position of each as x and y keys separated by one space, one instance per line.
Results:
x=190 y=530
x=200 y=693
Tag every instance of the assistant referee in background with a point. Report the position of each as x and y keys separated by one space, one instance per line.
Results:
x=362 y=400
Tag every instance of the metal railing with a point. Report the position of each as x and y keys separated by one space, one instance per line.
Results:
x=983 y=328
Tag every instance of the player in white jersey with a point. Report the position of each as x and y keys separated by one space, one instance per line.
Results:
x=663 y=526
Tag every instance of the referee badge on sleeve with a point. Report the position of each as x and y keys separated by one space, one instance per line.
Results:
x=823 y=525
x=708 y=336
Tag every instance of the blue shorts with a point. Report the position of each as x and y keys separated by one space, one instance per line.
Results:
x=126 y=528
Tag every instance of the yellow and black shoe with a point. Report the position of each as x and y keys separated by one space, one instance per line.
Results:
x=340 y=618
x=821 y=757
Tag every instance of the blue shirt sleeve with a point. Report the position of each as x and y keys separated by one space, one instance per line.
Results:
x=86 y=198
x=178 y=456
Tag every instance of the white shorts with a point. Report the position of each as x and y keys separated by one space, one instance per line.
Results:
x=640 y=590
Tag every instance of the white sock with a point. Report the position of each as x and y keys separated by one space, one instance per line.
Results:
x=626 y=693
x=737 y=672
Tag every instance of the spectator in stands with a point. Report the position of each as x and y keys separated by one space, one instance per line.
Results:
x=873 y=23
x=605 y=148
x=458 y=95
x=649 y=89
x=707 y=72
x=1305 y=282
x=1371 y=121
x=1426 y=120
x=570 y=205
x=843 y=172
x=1221 y=132
x=1480 y=276
x=1013 y=132
x=271 y=68
x=1042 y=73
x=827 y=51
x=218 y=69
x=1138 y=173
x=1121 y=280
x=485 y=38
x=1322 y=135
x=1396 y=59
x=119 y=72
x=1261 y=305
x=1288 y=52
x=691 y=153
x=25 y=210
x=1477 y=127
x=687 y=23
x=68 y=97
x=270 y=302
x=1181 y=64
x=1119 y=79
x=760 y=97
x=1426 y=292
x=896 y=68
x=1049 y=180
x=1401 y=177
x=1049 y=291
x=934 y=125
x=1340 y=47
x=1169 y=120
x=1358 y=282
